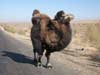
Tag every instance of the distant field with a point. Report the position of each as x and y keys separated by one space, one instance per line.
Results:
x=19 y=28
x=86 y=31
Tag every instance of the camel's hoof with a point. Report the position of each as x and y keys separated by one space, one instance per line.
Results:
x=39 y=65
x=49 y=66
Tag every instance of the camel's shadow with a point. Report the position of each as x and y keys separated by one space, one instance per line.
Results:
x=20 y=58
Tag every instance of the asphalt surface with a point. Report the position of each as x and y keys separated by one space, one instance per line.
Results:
x=16 y=58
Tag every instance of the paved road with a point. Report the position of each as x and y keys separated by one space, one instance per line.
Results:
x=16 y=58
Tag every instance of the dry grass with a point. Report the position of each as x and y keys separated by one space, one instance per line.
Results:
x=93 y=34
x=9 y=28
x=19 y=28
x=87 y=31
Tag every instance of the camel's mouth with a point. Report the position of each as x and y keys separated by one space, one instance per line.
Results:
x=54 y=42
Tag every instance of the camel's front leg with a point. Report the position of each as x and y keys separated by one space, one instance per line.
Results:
x=39 y=64
x=48 y=65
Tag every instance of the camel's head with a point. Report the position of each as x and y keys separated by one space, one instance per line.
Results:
x=63 y=17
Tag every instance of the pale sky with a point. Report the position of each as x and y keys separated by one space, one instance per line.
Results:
x=21 y=10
